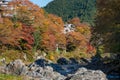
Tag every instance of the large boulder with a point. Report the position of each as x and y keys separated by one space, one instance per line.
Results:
x=16 y=67
x=40 y=69
x=2 y=69
x=85 y=74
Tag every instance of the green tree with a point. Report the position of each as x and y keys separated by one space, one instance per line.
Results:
x=37 y=38
x=68 y=9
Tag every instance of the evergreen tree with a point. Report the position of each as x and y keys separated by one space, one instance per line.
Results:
x=68 y=9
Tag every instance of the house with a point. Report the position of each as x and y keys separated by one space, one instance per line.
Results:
x=68 y=28
x=3 y=2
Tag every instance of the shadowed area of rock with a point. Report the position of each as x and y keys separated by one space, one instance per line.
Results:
x=42 y=69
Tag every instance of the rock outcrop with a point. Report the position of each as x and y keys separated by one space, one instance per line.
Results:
x=85 y=74
x=43 y=70
x=16 y=67
x=39 y=69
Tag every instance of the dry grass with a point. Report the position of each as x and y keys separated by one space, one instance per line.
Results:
x=10 y=77
x=77 y=55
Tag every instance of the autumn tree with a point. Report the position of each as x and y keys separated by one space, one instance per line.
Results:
x=80 y=38
x=52 y=33
x=108 y=24
x=15 y=30
x=27 y=39
x=30 y=27
x=9 y=35
x=75 y=40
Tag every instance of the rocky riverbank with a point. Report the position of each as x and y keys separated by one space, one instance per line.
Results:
x=44 y=70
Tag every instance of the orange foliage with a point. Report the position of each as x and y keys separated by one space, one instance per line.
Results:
x=77 y=39
x=75 y=21
x=9 y=34
x=30 y=18
x=81 y=36
x=48 y=41
x=90 y=49
x=51 y=28
x=27 y=35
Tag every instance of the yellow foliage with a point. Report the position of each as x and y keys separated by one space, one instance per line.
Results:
x=52 y=57
x=7 y=22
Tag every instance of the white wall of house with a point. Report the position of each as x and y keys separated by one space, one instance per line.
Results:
x=68 y=28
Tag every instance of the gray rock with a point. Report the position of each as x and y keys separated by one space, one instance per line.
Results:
x=81 y=70
x=84 y=74
x=16 y=67
x=51 y=75
x=34 y=74
x=49 y=68
x=46 y=74
x=2 y=69
x=36 y=70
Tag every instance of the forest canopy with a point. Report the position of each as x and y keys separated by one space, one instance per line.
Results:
x=68 y=9
x=26 y=26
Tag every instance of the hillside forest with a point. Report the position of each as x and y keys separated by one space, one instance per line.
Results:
x=27 y=29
